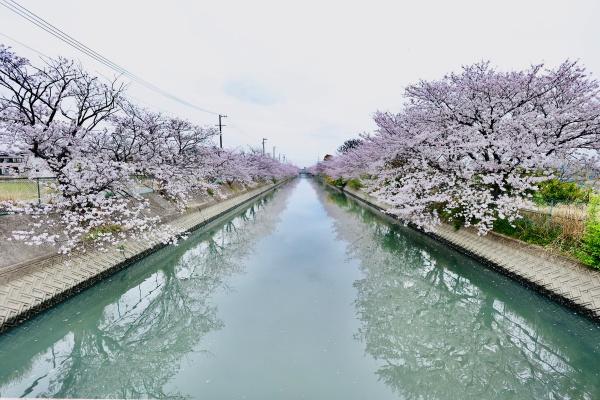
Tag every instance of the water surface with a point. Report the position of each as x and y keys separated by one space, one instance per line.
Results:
x=305 y=294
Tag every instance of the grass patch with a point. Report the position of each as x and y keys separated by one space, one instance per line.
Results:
x=572 y=236
x=24 y=189
x=15 y=190
x=540 y=231
x=103 y=230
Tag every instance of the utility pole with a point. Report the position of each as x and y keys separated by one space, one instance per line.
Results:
x=273 y=152
x=263 y=142
x=221 y=129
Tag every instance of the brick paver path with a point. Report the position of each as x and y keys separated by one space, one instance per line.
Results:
x=27 y=290
x=556 y=276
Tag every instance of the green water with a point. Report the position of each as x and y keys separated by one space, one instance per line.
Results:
x=305 y=294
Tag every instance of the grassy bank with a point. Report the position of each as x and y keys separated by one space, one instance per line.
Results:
x=565 y=220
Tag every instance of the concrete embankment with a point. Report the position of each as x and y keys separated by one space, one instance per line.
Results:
x=31 y=287
x=557 y=277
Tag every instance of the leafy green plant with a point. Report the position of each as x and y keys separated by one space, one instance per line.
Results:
x=556 y=191
x=589 y=252
x=210 y=192
x=355 y=184
x=339 y=182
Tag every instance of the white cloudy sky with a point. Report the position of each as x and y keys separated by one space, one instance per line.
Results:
x=305 y=74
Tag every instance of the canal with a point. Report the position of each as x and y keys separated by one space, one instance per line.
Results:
x=305 y=294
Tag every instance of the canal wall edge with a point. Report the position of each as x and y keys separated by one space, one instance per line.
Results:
x=556 y=277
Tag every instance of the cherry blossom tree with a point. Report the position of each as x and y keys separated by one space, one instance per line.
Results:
x=94 y=142
x=474 y=144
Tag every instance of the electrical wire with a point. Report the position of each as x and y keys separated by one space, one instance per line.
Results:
x=69 y=40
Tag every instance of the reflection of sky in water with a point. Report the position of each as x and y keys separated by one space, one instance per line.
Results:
x=305 y=294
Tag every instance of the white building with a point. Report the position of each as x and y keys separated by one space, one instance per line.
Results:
x=12 y=163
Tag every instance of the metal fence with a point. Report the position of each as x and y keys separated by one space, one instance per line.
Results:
x=41 y=189
x=26 y=189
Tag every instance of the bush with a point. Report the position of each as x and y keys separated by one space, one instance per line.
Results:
x=589 y=253
x=556 y=191
x=210 y=192
x=339 y=182
x=354 y=184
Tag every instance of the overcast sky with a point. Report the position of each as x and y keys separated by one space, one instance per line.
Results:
x=305 y=74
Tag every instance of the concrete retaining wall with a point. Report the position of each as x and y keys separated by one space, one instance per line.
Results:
x=27 y=289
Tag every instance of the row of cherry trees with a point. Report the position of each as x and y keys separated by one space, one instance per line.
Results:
x=93 y=140
x=473 y=145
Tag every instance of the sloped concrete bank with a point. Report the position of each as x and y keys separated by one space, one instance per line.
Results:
x=557 y=277
x=26 y=290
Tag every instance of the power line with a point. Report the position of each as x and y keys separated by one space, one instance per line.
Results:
x=220 y=125
x=24 y=45
x=69 y=40
x=42 y=55
x=61 y=35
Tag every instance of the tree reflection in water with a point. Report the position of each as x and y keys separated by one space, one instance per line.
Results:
x=444 y=327
x=126 y=337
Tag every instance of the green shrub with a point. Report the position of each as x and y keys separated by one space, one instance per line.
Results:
x=556 y=191
x=589 y=252
x=210 y=192
x=355 y=184
x=447 y=216
x=339 y=182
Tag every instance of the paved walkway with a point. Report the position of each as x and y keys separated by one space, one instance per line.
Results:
x=27 y=290
x=558 y=277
